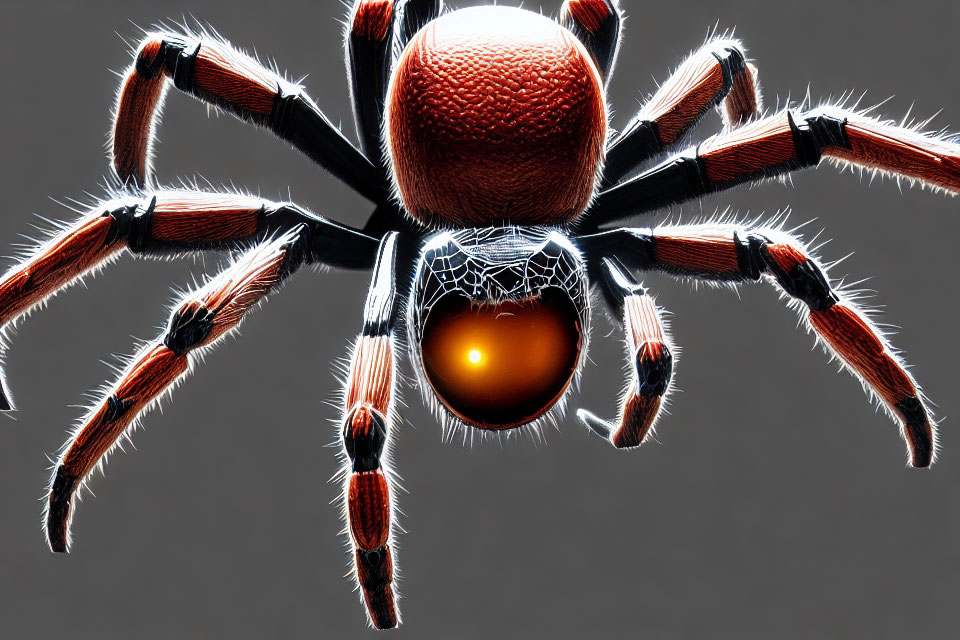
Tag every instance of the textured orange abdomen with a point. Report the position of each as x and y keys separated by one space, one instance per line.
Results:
x=495 y=114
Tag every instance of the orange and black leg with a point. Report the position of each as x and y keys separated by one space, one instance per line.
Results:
x=780 y=144
x=596 y=23
x=650 y=356
x=369 y=57
x=217 y=74
x=716 y=74
x=367 y=423
x=199 y=321
x=736 y=254
x=164 y=223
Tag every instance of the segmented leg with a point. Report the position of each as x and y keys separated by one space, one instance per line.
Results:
x=217 y=74
x=409 y=17
x=369 y=56
x=717 y=73
x=168 y=222
x=366 y=428
x=732 y=254
x=778 y=145
x=650 y=357
x=199 y=321
x=596 y=23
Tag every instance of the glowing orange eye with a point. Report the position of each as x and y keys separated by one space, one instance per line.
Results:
x=497 y=366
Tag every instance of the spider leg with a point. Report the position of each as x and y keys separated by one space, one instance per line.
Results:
x=369 y=54
x=716 y=74
x=596 y=23
x=409 y=17
x=164 y=223
x=199 y=321
x=367 y=422
x=650 y=356
x=727 y=253
x=217 y=74
x=777 y=145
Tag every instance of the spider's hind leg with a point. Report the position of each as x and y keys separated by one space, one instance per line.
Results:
x=369 y=55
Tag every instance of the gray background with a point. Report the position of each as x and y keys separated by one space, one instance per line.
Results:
x=776 y=505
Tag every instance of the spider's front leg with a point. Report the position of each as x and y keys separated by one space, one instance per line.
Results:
x=199 y=321
x=650 y=356
x=217 y=74
x=716 y=74
x=367 y=422
x=165 y=223
x=725 y=253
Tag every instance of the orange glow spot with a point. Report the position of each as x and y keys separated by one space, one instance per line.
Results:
x=497 y=366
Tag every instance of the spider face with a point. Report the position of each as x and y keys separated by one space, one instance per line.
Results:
x=499 y=319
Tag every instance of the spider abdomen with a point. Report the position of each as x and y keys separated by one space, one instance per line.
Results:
x=495 y=115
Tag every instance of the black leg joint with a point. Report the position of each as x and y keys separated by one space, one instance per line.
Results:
x=750 y=260
x=804 y=281
x=189 y=326
x=815 y=134
x=654 y=374
x=829 y=131
x=732 y=62
x=181 y=61
x=409 y=17
x=683 y=178
x=117 y=407
x=364 y=438
x=638 y=141
x=122 y=218
x=376 y=579
x=139 y=225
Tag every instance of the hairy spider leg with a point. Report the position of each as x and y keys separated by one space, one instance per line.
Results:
x=217 y=74
x=200 y=320
x=164 y=223
x=650 y=360
x=369 y=58
x=730 y=253
x=777 y=145
x=367 y=423
x=716 y=74
x=597 y=24
x=409 y=17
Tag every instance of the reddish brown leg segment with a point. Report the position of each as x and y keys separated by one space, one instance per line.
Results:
x=365 y=432
x=651 y=364
x=745 y=254
x=368 y=414
x=217 y=74
x=164 y=223
x=716 y=74
x=198 y=322
x=777 y=145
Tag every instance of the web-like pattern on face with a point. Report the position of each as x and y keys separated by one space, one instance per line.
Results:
x=496 y=264
x=489 y=265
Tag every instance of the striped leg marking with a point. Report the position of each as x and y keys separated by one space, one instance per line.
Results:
x=651 y=359
x=198 y=322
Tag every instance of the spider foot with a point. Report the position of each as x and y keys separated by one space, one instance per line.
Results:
x=598 y=425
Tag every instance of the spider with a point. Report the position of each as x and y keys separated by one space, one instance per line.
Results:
x=485 y=151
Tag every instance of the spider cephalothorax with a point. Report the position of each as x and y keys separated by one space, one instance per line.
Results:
x=484 y=150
